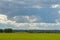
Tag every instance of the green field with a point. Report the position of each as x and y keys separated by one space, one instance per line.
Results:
x=29 y=36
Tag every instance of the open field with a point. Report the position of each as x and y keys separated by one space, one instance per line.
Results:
x=29 y=36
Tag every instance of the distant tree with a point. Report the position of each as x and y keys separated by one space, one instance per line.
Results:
x=1 y=30
x=8 y=30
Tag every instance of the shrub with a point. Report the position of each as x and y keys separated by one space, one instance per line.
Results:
x=8 y=30
x=1 y=30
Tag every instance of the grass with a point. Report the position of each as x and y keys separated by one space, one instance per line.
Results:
x=29 y=36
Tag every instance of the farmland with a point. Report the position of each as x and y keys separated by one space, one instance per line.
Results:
x=29 y=36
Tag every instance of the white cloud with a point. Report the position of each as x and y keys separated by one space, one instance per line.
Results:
x=36 y=6
x=59 y=12
x=29 y=19
x=31 y=25
x=3 y=18
x=55 y=6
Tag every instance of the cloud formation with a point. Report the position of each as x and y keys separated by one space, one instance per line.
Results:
x=35 y=3
x=30 y=26
x=55 y=6
x=30 y=14
x=28 y=19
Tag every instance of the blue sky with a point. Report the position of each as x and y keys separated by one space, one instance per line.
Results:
x=30 y=14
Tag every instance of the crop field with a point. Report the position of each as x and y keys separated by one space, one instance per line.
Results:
x=29 y=36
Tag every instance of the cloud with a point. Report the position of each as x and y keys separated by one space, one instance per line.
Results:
x=7 y=0
x=58 y=12
x=13 y=24
x=21 y=2
x=6 y=21
x=30 y=26
x=36 y=6
x=55 y=6
x=3 y=18
x=13 y=9
x=29 y=19
x=16 y=8
x=35 y=3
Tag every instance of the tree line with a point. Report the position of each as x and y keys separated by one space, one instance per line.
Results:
x=7 y=30
x=10 y=30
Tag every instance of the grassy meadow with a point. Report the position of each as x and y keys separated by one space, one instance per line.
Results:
x=29 y=36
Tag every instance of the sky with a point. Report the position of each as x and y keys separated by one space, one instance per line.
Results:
x=30 y=14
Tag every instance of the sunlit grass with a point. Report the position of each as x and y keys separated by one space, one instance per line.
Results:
x=29 y=36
